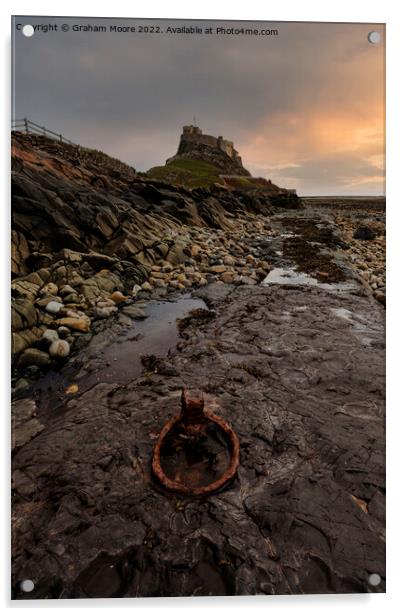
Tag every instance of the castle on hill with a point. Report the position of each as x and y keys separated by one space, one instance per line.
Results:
x=216 y=150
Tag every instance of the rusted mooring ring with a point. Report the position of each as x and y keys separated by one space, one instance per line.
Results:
x=195 y=414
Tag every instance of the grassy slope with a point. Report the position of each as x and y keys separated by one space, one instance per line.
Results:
x=191 y=173
x=198 y=173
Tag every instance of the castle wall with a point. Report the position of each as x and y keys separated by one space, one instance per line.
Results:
x=200 y=138
x=193 y=136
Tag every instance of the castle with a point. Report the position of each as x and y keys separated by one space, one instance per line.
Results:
x=217 y=150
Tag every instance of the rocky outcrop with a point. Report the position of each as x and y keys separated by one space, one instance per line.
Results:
x=85 y=228
x=59 y=205
x=219 y=152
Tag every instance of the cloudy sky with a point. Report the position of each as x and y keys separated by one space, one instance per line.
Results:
x=304 y=108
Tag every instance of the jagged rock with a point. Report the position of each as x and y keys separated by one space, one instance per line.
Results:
x=99 y=261
x=107 y=223
x=23 y=314
x=102 y=284
x=176 y=253
x=24 y=288
x=25 y=338
x=365 y=233
x=19 y=253
x=24 y=422
x=134 y=312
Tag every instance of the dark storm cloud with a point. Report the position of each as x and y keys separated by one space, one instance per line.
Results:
x=130 y=94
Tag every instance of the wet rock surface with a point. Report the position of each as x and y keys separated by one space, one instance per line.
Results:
x=299 y=376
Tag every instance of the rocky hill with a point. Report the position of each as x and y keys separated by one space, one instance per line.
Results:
x=194 y=145
x=203 y=160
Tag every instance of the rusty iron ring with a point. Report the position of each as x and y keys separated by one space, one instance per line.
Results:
x=229 y=473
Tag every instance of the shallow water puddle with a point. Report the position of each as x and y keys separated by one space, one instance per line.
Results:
x=156 y=335
x=120 y=361
x=289 y=276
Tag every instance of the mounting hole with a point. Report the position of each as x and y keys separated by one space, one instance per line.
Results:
x=374 y=579
x=27 y=586
x=374 y=37
x=28 y=30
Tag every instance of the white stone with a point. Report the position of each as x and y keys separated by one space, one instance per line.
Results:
x=50 y=335
x=54 y=307
x=136 y=290
x=59 y=348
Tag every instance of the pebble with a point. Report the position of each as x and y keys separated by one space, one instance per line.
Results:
x=227 y=277
x=21 y=384
x=228 y=260
x=34 y=357
x=195 y=250
x=50 y=335
x=217 y=269
x=104 y=312
x=247 y=280
x=81 y=324
x=135 y=312
x=59 y=348
x=156 y=282
x=72 y=298
x=49 y=289
x=118 y=297
x=146 y=286
x=105 y=302
x=136 y=289
x=54 y=307
x=44 y=301
x=67 y=290
x=63 y=331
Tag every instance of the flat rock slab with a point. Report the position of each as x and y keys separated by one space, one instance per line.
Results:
x=24 y=424
x=299 y=373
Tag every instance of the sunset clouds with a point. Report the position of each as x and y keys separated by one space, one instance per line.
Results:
x=304 y=108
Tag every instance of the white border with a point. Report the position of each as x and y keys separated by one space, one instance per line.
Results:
x=285 y=10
